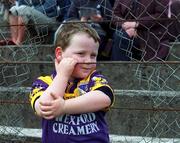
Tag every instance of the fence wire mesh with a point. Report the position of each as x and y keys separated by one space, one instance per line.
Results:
x=147 y=106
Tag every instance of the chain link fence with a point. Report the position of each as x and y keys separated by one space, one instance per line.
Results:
x=147 y=92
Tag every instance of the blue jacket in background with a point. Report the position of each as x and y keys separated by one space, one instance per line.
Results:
x=63 y=9
x=103 y=6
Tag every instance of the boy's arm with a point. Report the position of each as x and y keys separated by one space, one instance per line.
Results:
x=58 y=86
x=63 y=71
x=89 y=102
x=99 y=97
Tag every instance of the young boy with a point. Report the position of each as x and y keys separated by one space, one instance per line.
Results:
x=74 y=99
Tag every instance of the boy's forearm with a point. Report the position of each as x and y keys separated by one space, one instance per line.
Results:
x=58 y=86
x=36 y=107
x=90 y=102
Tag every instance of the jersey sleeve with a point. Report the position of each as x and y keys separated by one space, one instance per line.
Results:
x=99 y=82
x=38 y=87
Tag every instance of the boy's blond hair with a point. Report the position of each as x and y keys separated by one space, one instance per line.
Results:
x=66 y=30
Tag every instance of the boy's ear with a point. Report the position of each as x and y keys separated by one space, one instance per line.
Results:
x=58 y=53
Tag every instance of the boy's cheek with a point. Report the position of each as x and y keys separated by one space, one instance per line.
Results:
x=76 y=58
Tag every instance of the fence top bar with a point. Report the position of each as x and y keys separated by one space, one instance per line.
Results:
x=92 y=21
x=98 y=62
x=27 y=45
x=116 y=92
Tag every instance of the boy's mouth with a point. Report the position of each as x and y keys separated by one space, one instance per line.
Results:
x=86 y=68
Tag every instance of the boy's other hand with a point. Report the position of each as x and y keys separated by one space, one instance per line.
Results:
x=53 y=108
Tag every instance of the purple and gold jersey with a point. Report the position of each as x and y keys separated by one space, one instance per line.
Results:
x=75 y=128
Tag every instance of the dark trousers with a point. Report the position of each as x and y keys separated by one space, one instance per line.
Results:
x=124 y=48
x=174 y=27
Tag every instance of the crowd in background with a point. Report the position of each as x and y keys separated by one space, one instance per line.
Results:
x=129 y=29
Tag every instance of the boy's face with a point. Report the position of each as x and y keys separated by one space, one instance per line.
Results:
x=83 y=49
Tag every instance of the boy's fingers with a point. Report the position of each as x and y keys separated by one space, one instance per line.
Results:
x=47 y=103
x=47 y=113
x=45 y=108
x=48 y=117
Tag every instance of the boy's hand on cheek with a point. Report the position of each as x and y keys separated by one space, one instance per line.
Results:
x=66 y=66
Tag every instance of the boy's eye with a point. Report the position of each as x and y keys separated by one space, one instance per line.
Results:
x=80 y=53
x=93 y=56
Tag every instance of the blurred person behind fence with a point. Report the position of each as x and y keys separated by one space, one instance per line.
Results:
x=39 y=13
x=63 y=7
x=139 y=34
x=94 y=12
x=174 y=24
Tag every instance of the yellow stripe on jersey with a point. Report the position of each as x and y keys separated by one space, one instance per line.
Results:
x=69 y=96
x=34 y=96
x=99 y=82
x=46 y=79
x=36 y=90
